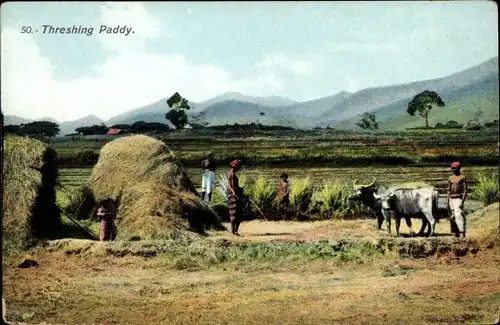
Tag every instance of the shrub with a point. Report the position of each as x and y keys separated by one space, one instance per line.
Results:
x=301 y=194
x=472 y=125
x=486 y=189
x=332 y=198
x=263 y=193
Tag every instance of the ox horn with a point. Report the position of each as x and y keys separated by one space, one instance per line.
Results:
x=374 y=180
x=354 y=183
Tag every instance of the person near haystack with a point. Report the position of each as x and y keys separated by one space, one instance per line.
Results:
x=106 y=215
x=457 y=193
x=235 y=202
x=283 y=192
x=208 y=177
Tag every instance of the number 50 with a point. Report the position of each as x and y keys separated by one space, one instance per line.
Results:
x=26 y=29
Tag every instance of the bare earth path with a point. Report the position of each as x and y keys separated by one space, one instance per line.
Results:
x=78 y=289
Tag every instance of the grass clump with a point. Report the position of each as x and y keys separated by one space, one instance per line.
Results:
x=78 y=201
x=153 y=194
x=486 y=189
x=30 y=177
x=331 y=199
x=263 y=194
x=301 y=193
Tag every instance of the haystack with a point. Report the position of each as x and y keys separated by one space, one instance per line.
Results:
x=154 y=195
x=29 y=197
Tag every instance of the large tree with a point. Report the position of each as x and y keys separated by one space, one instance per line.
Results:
x=44 y=129
x=368 y=122
x=423 y=103
x=178 y=107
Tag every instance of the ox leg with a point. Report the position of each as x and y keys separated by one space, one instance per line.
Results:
x=398 y=223
x=432 y=223
x=387 y=216
x=380 y=219
x=424 y=224
x=408 y=223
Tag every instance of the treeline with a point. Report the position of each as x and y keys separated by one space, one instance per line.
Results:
x=470 y=125
x=38 y=129
x=137 y=127
x=249 y=127
x=154 y=127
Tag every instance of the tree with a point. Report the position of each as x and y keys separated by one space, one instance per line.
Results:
x=478 y=115
x=11 y=129
x=452 y=125
x=92 y=130
x=44 y=129
x=123 y=127
x=368 y=122
x=145 y=127
x=423 y=103
x=198 y=121
x=177 y=115
x=258 y=122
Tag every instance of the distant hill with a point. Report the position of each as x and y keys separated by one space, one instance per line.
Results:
x=14 y=120
x=65 y=127
x=317 y=107
x=465 y=92
x=475 y=86
x=70 y=126
x=155 y=112
x=234 y=111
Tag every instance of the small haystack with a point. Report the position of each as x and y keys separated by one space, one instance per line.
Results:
x=155 y=197
x=29 y=197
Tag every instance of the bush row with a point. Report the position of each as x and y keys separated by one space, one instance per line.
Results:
x=307 y=203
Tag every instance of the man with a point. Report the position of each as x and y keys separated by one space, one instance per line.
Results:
x=457 y=193
x=208 y=178
x=283 y=192
x=235 y=202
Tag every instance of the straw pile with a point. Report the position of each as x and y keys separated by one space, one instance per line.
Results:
x=29 y=197
x=155 y=198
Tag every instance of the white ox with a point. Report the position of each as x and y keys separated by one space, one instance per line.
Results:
x=408 y=202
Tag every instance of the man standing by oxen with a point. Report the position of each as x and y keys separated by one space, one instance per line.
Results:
x=457 y=193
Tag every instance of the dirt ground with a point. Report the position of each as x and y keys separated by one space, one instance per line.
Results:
x=77 y=289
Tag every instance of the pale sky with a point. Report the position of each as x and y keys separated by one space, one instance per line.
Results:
x=299 y=50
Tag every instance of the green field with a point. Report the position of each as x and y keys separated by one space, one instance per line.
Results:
x=314 y=148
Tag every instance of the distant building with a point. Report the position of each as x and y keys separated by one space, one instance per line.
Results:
x=113 y=131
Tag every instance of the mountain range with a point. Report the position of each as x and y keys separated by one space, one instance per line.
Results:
x=470 y=93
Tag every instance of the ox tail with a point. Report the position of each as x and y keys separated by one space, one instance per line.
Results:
x=435 y=208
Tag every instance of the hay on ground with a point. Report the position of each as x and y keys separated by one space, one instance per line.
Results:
x=155 y=197
x=29 y=197
x=484 y=224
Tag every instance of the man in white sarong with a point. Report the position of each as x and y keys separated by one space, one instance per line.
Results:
x=208 y=178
